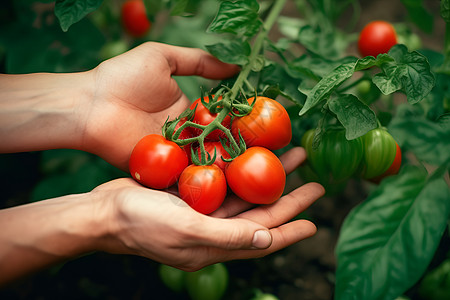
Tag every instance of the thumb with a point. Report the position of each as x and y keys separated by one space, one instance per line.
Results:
x=234 y=234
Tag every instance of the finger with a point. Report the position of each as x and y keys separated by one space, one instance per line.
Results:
x=230 y=234
x=282 y=237
x=232 y=206
x=191 y=61
x=286 y=208
x=292 y=159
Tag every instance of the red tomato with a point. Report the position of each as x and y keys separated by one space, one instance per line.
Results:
x=220 y=152
x=394 y=168
x=256 y=176
x=156 y=162
x=185 y=134
x=376 y=37
x=203 y=187
x=134 y=18
x=267 y=125
x=203 y=116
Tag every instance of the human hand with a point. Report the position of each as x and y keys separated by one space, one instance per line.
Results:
x=134 y=94
x=160 y=226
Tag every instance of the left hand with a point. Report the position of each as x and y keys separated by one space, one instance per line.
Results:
x=134 y=93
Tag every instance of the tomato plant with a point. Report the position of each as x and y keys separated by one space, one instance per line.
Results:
x=209 y=283
x=257 y=176
x=203 y=187
x=134 y=18
x=376 y=37
x=156 y=162
x=267 y=125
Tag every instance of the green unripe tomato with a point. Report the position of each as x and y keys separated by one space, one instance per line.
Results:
x=209 y=283
x=173 y=278
x=336 y=159
x=379 y=153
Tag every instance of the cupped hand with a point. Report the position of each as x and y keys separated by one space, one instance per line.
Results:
x=160 y=226
x=134 y=93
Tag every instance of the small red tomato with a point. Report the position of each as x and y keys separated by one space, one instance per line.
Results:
x=257 y=176
x=268 y=125
x=220 y=152
x=157 y=162
x=203 y=116
x=376 y=37
x=203 y=187
x=134 y=18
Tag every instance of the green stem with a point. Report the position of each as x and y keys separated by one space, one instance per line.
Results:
x=259 y=42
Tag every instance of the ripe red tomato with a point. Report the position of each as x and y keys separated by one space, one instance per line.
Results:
x=257 y=176
x=134 y=18
x=203 y=116
x=203 y=187
x=267 y=125
x=157 y=162
x=376 y=37
x=220 y=152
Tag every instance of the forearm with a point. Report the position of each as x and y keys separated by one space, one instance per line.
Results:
x=40 y=234
x=42 y=111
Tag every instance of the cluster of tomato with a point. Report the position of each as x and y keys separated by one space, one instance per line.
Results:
x=255 y=174
x=335 y=159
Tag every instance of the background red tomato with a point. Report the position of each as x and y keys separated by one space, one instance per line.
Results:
x=256 y=176
x=376 y=37
x=203 y=116
x=134 y=18
x=157 y=162
x=203 y=187
x=267 y=125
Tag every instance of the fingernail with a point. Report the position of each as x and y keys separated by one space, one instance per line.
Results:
x=262 y=239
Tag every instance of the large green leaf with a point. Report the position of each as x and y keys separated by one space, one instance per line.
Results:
x=71 y=11
x=410 y=73
x=428 y=140
x=355 y=116
x=237 y=17
x=387 y=242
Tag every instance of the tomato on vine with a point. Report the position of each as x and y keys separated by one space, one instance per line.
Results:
x=209 y=283
x=376 y=37
x=267 y=125
x=382 y=155
x=134 y=18
x=220 y=152
x=203 y=116
x=157 y=162
x=203 y=187
x=335 y=159
x=257 y=176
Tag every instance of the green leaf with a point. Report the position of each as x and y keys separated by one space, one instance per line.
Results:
x=324 y=41
x=410 y=72
x=233 y=52
x=327 y=84
x=237 y=17
x=419 y=15
x=355 y=116
x=71 y=11
x=178 y=7
x=387 y=242
x=429 y=141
